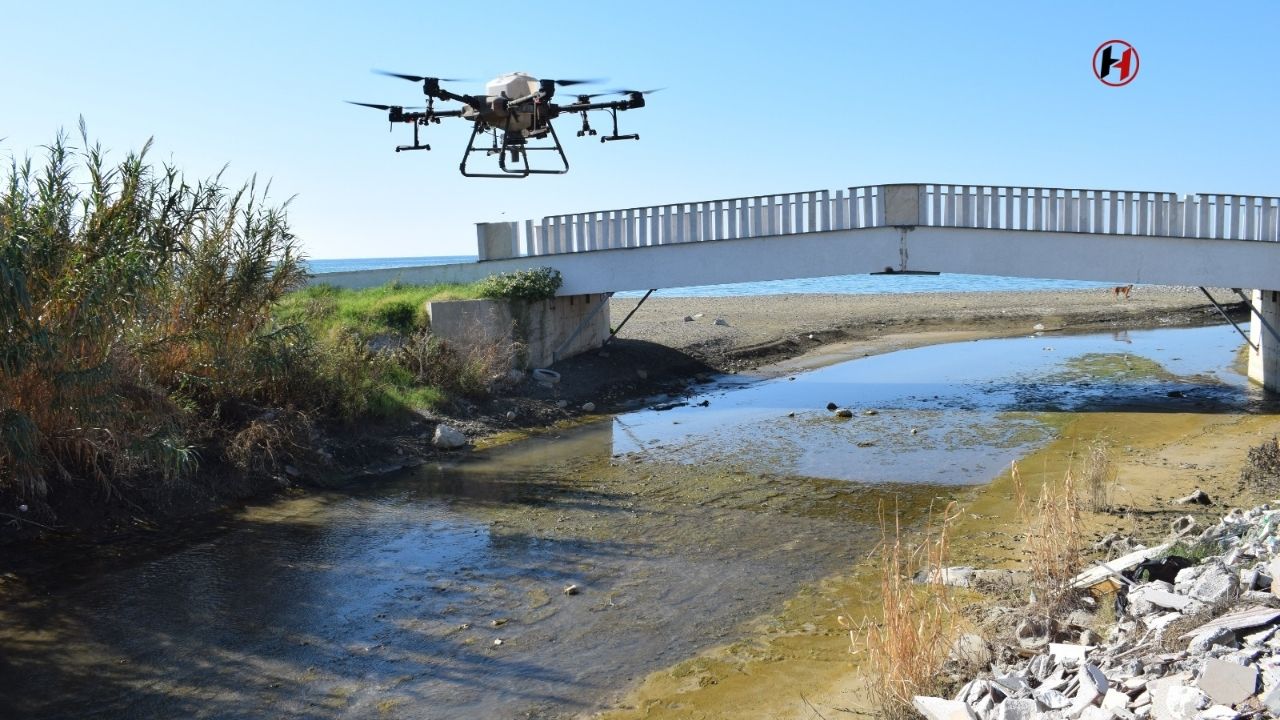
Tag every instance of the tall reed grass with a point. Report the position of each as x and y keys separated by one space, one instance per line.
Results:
x=136 y=306
x=911 y=643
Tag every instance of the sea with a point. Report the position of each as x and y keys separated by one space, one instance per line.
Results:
x=840 y=284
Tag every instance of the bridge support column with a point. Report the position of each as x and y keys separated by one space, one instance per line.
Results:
x=1264 y=362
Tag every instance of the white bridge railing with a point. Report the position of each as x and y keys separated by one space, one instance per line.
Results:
x=992 y=207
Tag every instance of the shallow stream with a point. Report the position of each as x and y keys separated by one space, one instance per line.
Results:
x=441 y=592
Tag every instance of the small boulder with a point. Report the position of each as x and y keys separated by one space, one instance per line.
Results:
x=688 y=318
x=722 y=322
x=832 y=406
x=588 y=407
x=1199 y=497
x=448 y=438
x=844 y=413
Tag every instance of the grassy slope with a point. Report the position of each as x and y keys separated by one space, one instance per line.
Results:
x=389 y=310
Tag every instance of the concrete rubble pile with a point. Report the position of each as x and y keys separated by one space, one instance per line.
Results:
x=1230 y=668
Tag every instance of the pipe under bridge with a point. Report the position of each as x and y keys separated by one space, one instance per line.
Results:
x=1117 y=236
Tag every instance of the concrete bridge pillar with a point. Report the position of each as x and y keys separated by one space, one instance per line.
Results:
x=1264 y=362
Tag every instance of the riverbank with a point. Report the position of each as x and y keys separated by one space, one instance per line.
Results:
x=658 y=353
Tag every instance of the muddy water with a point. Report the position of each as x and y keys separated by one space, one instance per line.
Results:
x=440 y=593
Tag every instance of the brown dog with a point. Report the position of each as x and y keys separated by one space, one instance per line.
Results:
x=1122 y=290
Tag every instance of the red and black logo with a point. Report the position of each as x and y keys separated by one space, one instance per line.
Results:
x=1115 y=63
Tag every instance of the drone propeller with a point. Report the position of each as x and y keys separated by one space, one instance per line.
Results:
x=618 y=92
x=383 y=107
x=567 y=83
x=417 y=78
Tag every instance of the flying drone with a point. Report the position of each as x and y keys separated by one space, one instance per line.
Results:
x=515 y=113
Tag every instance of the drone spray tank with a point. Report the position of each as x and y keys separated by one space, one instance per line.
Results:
x=514 y=85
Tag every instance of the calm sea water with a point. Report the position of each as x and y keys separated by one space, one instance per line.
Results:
x=843 y=284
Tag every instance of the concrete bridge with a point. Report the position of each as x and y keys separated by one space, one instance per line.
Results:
x=1119 y=236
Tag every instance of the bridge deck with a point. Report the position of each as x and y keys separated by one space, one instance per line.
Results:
x=1111 y=212
x=1116 y=236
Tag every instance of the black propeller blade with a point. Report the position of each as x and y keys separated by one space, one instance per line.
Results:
x=619 y=92
x=567 y=83
x=418 y=78
x=384 y=107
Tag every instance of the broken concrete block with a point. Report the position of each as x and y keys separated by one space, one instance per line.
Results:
x=1051 y=699
x=1228 y=683
x=1216 y=584
x=1182 y=702
x=1209 y=637
x=1013 y=709
x=935 y=708
x=1272 y=701
x=1093 y=685
x=1069 y=653
x=1114 y=699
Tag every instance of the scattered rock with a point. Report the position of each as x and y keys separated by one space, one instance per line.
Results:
x=688 y=318
x=499 y=622
x=562 y=404
x=588 y=407
x=1183 y=525
x=571 y=589
x=870 y=412
x=722 y=321
x=497 y=642
x=511 y=415
x=844 y=413
x=448 y=438
x=1199 y=497
x=1038 y=326
x=832 y=406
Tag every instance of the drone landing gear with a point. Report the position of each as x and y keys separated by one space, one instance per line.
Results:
x=516 y=147
x=416 y=145
x=615 y=135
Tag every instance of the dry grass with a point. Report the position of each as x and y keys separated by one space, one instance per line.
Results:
x=1098 y=476
x=1054 y=539
x=909 y=646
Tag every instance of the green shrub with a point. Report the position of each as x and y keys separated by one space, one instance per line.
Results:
x=396 y=314
x=532 y=285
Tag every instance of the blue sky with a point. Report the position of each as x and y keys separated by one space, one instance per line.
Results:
x=761 y=97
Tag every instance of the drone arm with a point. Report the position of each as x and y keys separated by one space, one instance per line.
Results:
x=628 y=104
